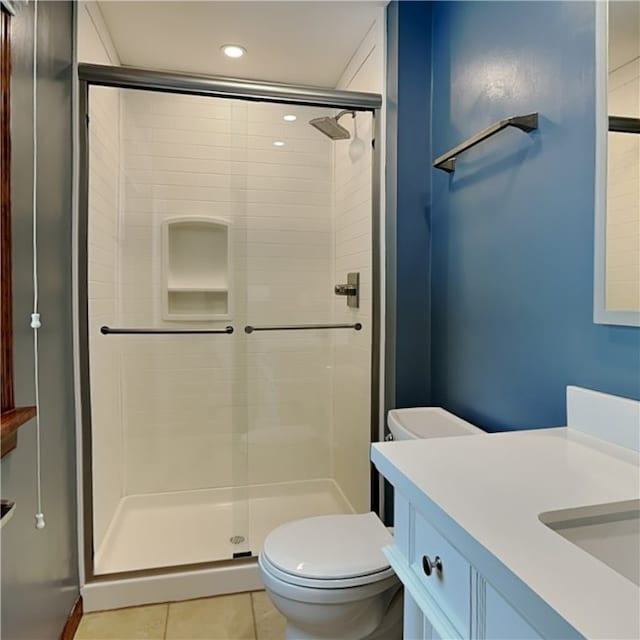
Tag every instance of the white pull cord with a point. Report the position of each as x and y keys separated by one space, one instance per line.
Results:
x=35 y=316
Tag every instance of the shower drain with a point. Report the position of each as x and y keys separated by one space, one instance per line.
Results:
x=236 y=539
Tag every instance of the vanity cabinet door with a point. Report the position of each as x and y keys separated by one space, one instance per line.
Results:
x=417 y=626
x=443 y=573
x=503 y=622
x=413 y=627
x=431 y=633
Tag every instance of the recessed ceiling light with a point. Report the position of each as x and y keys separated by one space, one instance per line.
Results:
x=233 y=50
x=278 y=143
x=290 y=118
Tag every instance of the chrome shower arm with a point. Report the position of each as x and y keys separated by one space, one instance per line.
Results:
x=344 y=112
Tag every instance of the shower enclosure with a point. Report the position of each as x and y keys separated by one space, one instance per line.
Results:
x=226 y=387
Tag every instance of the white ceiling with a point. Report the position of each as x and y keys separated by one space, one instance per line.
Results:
x=295 y=42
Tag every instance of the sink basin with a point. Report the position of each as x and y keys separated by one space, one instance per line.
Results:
x=609 y=532
x=427 y=422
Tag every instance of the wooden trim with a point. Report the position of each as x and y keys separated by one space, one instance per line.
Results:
x=9 y=425
x=6 y=315
x=73 y=621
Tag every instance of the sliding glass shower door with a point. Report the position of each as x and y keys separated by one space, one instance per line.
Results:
x=229 y=385
x=169 y=457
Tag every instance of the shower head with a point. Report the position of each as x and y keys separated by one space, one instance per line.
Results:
x=330 y=126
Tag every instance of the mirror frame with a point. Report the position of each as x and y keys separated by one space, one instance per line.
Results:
x=601 y=315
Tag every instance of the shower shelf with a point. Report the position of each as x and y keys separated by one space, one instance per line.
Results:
x=199 y=289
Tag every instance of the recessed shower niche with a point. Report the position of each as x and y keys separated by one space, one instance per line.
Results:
x=196 y=259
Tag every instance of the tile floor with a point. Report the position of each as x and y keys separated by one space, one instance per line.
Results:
x=243 y=616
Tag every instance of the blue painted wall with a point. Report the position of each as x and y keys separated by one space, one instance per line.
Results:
x=409 y=192
x=512 y=230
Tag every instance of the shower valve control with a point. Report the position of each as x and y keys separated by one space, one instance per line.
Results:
x=346 y=290
x=351 y=290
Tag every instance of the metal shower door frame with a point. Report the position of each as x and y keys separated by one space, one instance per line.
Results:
x=215 y=87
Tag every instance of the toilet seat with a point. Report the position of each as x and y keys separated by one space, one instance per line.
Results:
x=328 y=552
x=325 y=583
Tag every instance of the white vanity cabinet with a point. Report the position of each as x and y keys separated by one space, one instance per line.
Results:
x=448 y=596
x=521 y=535
x=501 y=620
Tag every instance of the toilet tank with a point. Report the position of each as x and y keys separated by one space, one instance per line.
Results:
x=427 y=422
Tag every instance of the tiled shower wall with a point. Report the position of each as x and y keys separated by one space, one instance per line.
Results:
x=104 y=190
x=207 y=411
x=217 y=410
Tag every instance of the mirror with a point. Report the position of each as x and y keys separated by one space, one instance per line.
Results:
x=617 y=241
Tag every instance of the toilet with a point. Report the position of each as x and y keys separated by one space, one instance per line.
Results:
x=328 y=576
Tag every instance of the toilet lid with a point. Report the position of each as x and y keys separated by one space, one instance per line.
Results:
x=329 y=547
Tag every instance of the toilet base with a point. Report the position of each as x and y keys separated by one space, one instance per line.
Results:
x=392 y=623
x=390 y=627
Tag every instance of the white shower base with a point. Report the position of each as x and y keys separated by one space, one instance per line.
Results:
x=188 y=527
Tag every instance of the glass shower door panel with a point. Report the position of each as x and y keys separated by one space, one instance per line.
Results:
x=284 y=186
x=352 y=358
x=167 y=454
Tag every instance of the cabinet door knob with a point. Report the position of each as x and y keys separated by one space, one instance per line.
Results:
x=429 y=565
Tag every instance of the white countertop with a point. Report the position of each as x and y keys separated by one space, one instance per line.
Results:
x=495 y=486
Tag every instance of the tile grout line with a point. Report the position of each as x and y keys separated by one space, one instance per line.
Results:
x=253 y=616
x=166 y=622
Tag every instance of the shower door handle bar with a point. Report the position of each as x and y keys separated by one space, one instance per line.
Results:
x=622 y=124
x=447 y=161
x=303 y=327
x=109 y=330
